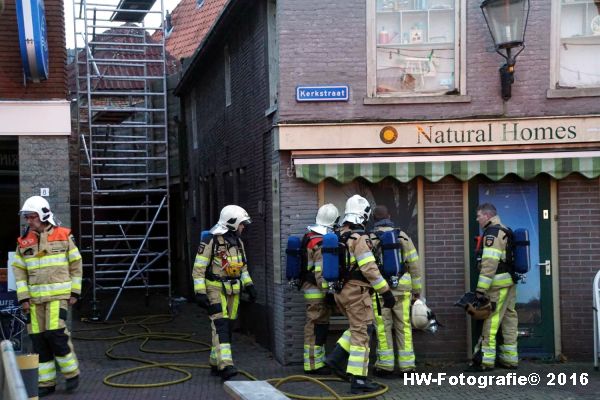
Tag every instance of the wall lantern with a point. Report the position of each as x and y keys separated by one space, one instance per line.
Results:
x=507 y=21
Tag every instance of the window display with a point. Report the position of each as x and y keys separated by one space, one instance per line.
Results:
x=415 y=46
x=579 y=43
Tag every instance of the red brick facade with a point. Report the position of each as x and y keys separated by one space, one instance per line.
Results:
x=11 y=67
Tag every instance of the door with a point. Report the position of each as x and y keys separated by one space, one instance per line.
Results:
x=524 y=205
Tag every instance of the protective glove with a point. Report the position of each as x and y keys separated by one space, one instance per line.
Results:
x=330 y=299
x=388 y=299
x=202 y=300
x=251 y=290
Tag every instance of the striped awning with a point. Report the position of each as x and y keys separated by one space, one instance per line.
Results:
x=463 y=167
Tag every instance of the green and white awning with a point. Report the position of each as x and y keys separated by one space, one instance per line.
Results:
x=463 y=167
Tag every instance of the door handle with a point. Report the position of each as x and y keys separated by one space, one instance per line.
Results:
x=547 y=265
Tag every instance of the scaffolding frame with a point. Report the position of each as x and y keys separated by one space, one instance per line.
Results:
x=121 y=122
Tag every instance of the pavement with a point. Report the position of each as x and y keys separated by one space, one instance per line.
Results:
x=565 y=381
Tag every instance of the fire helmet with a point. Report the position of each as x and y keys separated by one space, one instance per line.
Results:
x=230 y=219
x=40 y=206
x=327 y=217
x=358 y=210
x=423 y=318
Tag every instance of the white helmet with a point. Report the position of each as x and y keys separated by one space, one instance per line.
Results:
x=40 y=206
x=327 y=217
x=231 y=217
x=358 y=210
x=422 y=317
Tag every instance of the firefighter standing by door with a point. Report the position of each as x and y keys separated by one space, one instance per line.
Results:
x=496 y=283
x=48 y=272
x=354 y=300
x=220 y=271
x=394 y=324
x=318 y=309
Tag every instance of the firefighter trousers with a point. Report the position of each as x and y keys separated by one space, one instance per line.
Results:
x=354 y=301
x=224 y=301
x=393 y=325
x=503 y=317
x=316 y=327
x=51 y=340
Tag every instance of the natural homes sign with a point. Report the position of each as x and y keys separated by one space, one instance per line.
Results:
x=525 y=131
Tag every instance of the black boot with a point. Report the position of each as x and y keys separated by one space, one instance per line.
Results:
x=228 y=372
x=319 y=371
x=72 y=384
x=44 y=391
x=360 y=384
x=214 y=370
x=337 y=361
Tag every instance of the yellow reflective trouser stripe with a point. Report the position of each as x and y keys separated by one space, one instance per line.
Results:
x=314 y=357
x=416 y=283
x=489 y=351
x=508 y=354
x=67 y=363
x=344 y=340
x=310 y=294
x=225 y=350
x=53 y=310
x=46 y=371
x=358 y=361
x=385 y=355
x=406 y=356
x=212 y=359
x=35 y=326
x=234 y=306
x=224 y=306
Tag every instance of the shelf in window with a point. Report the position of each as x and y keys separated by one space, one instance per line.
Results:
x=577 y=3
x=590 y=39
x=418 y=46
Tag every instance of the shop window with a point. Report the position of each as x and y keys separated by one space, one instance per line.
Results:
x=413 y=47
x=577 y=43
x=400 y=199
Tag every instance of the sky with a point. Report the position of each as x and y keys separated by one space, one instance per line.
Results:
x=151 y=19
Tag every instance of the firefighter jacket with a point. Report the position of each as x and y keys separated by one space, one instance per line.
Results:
x=47 y=266
x=222 y=259
x=362 y=269
x=493 y=254
x=410 y=281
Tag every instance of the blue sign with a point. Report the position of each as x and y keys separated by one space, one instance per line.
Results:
x=322 y=93
x=33 y=39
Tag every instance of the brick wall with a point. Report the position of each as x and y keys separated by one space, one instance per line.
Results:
x=444 y=270
x=11 y=67
x=578 y=238
x=44 y=163
x=233 y=137
x=325 y=43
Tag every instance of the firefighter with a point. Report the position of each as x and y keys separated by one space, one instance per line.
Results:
x=361 y=277
x=496 y=284
x=48 y=270
x=220 y=271
x=318 y=309
x=394 y=324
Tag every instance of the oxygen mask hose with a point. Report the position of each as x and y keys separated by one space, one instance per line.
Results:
x=147 y=335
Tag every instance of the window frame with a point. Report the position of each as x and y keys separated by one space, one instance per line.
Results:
x=554 y=88
x=460 y=74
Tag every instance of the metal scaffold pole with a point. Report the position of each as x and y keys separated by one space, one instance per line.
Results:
x=121 y=122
